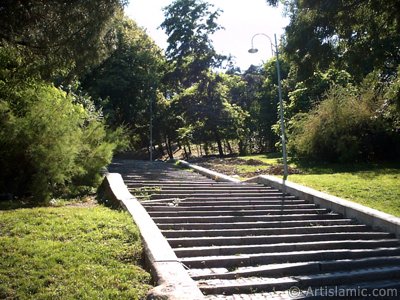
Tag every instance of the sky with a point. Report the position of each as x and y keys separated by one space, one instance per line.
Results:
x=242 y=19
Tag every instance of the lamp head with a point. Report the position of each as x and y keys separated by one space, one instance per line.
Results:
x=253 y=50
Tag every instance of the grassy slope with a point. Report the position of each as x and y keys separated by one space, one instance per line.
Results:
x=373 y=185
x=70 y=253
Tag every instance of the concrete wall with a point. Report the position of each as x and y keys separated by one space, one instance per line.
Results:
x=173 y=282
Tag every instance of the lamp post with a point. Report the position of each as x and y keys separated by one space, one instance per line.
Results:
x=151 y=128
x=153 y=101
x=282 y=122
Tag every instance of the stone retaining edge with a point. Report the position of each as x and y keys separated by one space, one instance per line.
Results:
x=173 y=282
x=206 y=172
x=369 y=216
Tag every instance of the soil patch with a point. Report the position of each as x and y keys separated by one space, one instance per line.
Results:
x=231 y=166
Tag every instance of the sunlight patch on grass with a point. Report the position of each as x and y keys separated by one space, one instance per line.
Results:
x=269 y=158
x=376 y=185
x=379 y=189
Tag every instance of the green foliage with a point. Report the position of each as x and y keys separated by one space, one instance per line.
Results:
x=356 y=36
x=48 y=141
x=307 y=94
x=190 y=51
x=70 y=253
x=59 y=38
x=390 y=111
x=348 y=125
x=207 y=113
x=127 y=81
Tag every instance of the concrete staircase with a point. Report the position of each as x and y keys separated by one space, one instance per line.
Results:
x=248 y=241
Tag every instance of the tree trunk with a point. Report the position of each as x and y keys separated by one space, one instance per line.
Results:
x=169 y=148
x=206 y=149
x=161 y=149
x=229 y=147
x=242 y=148
x=219 y=143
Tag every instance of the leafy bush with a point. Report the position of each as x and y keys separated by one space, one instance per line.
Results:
x=349 y=124
x=48 y=141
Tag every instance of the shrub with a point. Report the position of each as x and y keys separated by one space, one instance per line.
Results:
x=347 y=125
x=48 y=141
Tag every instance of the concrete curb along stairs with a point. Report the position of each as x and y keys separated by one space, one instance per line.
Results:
x=206 y=172
x=250 y=240
x=263 y=251
x=173 y=280
x=369 y=216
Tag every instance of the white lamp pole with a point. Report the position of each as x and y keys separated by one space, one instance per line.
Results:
x=282 y=122
x=151 y=128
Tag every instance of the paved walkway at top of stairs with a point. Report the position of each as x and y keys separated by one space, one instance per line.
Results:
x=248 y=241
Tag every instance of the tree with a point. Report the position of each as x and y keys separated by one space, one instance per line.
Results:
x=307 y=94
x=59 y=37
x=341 y=44
x=356 y=36
x=207 y=111
x=126 y=82
x=190 y=53
x=335 y=131
x=53 y=140
x=51 y=143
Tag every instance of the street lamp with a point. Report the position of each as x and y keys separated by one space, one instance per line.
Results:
x=151 y=128
x=153 y=101
x=278 y=70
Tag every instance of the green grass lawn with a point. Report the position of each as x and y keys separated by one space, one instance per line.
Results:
x=70 y=253
x=373 y=185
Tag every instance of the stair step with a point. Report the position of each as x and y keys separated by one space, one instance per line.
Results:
x=219 y=195
x=283 y=247
x=181 y=206
x=274 y=239
x=129 y=179
x=256 y=218
x=292 y=269
x=215 y=188
x=238 y=238
x=183 y=182
x=263 y=231
x=254 y=224
x=238 y=212
x=262 y=284
x=205 y=202
x=242 y=260
x=248 y=285
x=336 y=278
x=391 y=288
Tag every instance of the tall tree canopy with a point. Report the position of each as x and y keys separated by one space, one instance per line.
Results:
x=356 y=36
x=53 y=140
x=189 y=24
x=59 y=36
x=350 y=46
x=207 y=112
x=127 y=80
